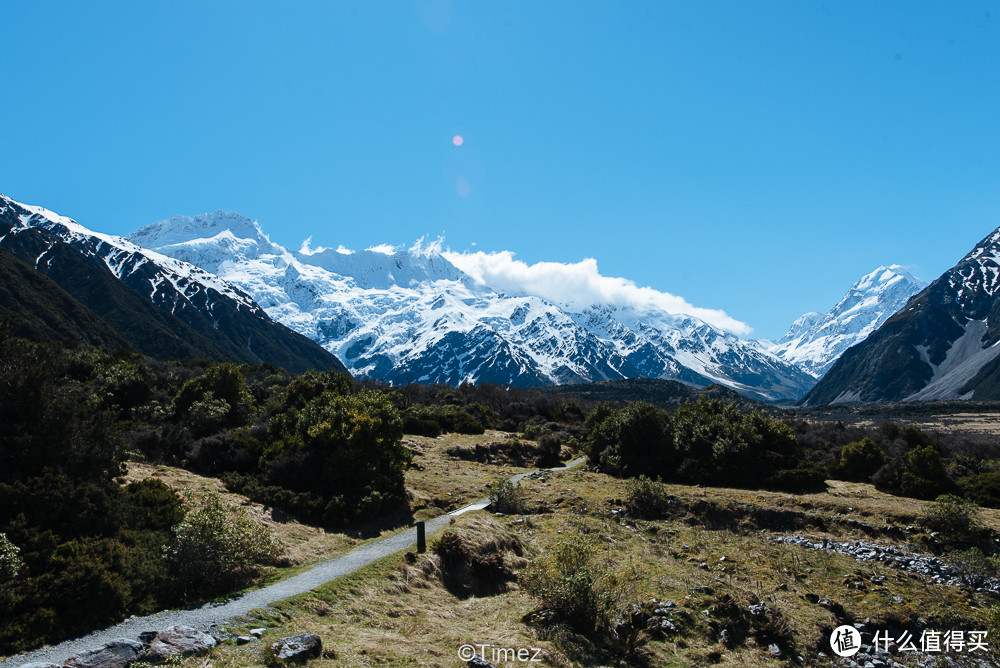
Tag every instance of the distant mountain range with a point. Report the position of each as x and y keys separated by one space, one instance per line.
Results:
x=413 y=316
x=215 y=286
x=161 y=307
x=942 y=345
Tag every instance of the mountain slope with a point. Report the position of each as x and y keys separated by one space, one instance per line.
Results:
x=413 y=316
x=941 y=345
x=35 y=307
x=815 y=340
x=163 y=307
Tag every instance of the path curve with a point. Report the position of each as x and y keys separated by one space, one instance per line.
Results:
x=204 y=616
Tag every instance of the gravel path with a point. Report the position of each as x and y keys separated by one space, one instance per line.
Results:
x=213 y=613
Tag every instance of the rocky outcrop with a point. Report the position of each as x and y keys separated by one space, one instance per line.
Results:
x=116 y=654
x=179 y=641
x=297 y=648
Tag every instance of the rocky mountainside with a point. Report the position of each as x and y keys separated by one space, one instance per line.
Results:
x=162 y=306
x=413 y=316
x=816 y=340
x=941 y=345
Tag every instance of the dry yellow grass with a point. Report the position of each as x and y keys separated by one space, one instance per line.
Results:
x=437 y=482
x=394 y=613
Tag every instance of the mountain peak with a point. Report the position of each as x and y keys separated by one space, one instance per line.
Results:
x=815 y=340
x=182 y=229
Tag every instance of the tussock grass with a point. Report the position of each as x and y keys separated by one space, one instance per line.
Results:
x=713 y=552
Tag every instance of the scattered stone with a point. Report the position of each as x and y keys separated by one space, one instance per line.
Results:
x=812 y=598
x=774 y=650
x=179 y=641
x=118 y=653
x=726 y=637
x=479 y=662
x=257 y=633
x=243 y=640
x=297 y=648
x=895 y=557
x=40 y=664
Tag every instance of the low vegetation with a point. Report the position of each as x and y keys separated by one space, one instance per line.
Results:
x=571 y=566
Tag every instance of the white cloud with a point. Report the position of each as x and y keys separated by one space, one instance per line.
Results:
x=385 y=249
x=420 y=247
x=578 y=286
x=306 y=249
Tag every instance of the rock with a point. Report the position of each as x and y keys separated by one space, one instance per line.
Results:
x=243 y=640
x=179 y=641
x=774 y=650
x=812 y=598
x=256 y=633
x=726 y=637
x=479 y=662
x=297 y=648
x=147 y=637
x=39 y=664
x=118 y=653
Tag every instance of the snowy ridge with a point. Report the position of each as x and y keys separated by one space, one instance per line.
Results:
x=414 y=316
x=125 y=258
x=815 y=341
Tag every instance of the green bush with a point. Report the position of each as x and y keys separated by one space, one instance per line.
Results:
x=217 y=549
x=955 y=518
x=983 y=488
x=646 y=498
x=507 y=497
x=221 y=383
x=860 y=460
x=570 y=581
x=804 y=478
x=10 y=560
x=532 y=431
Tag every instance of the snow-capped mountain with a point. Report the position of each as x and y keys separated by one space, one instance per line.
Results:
x=816 y=340
x=413 y=316
x=944 y=344
x=195 y=310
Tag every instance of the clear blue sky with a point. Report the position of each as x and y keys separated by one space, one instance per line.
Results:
x=756 y=157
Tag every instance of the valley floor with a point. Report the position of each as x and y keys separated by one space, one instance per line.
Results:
x=750 y=563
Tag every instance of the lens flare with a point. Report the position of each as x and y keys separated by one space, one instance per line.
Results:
x=457 y=140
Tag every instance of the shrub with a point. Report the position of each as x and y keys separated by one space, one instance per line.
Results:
x=569 y=581
x=860 y=460
x=952 y=514
x=532 y=431
x=507 y=497
x=977 y=568
x=216 y=549
x=983 y=488
x=10 y=560
x=646 y=498
x=805 y=478
x=549 y=447
x=450 y=548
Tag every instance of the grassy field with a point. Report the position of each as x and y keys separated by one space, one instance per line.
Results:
x=714 y=558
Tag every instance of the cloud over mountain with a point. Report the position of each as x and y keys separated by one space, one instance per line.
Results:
x=579 y=285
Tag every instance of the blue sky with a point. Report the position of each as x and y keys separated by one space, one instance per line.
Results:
x=754 y=157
